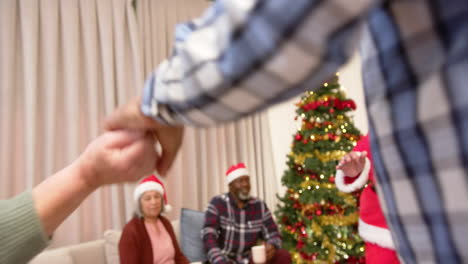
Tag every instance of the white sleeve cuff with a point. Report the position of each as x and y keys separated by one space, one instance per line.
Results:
x=356 y=184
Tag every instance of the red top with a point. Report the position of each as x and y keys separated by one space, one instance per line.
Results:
x=135 y=243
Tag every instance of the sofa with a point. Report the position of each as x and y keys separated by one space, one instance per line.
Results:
x=101 y=251
x=105 y=250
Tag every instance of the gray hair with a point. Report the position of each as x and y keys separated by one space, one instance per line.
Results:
x=139 y=212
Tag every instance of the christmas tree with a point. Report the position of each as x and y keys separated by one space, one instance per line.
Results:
x=319 y=223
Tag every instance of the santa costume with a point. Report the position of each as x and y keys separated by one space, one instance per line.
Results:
x=372 y=225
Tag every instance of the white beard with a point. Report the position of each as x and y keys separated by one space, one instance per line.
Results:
x=244 y=197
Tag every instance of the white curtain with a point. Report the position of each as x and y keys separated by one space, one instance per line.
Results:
x=65 y=65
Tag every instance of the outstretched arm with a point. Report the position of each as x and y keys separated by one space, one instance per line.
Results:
x=239 y=58
x=114 y=157
x=243 y=56
x=30 y=218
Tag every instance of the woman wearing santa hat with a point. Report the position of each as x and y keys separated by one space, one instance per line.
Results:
x=354 y=172
x=149 y=237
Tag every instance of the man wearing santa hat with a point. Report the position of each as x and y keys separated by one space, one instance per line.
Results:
x=235 y=222
x=354 y=172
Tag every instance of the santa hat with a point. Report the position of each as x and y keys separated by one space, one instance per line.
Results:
x=151 y=183
x=236 y=171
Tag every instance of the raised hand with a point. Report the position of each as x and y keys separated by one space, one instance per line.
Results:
x=352 y=163
x=118 y=156
x=130 y=116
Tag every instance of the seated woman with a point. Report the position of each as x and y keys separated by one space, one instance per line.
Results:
x=149 y=237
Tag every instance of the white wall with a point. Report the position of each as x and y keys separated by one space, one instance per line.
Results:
x=281 y=117
x=351 y=81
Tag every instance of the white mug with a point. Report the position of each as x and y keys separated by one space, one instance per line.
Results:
x=259 y=254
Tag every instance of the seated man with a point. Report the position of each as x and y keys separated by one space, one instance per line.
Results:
x=235 y=222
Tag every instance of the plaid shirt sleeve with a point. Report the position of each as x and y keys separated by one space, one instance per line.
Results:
x=210 y=234
x=270 y=229
x=243 y=56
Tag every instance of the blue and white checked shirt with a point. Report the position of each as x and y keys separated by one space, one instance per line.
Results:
x=243 y=56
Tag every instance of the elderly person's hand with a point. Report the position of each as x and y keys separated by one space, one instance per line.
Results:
x=114 y=157
x=118 y=156
x=130 y=116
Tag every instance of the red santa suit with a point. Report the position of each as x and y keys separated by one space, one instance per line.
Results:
x=372 y=225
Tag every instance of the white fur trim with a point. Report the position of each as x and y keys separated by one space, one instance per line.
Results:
x=356 y=184
x=236 y=174
x=377 y=235
x=147 y=186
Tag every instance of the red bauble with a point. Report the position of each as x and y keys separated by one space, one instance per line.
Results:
x=331 y=110
x=297 y=205
x=303 y=232
x=332 y=179
x=300 y=244
x=298 y=137
x=304 y=141
x=318 y=212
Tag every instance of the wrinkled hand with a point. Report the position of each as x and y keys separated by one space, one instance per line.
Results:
x=118 y=156
x=130 y=117
x=352 y=163
x=270 y=251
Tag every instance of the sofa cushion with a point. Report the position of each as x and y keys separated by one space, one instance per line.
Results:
x=111 y=246
x=191 y=224
x=55 y=256
x=89 y=252
x=176 y=226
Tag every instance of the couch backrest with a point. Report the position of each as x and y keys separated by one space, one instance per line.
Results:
x=89 y=252
x=176 y=226
x=102 y=251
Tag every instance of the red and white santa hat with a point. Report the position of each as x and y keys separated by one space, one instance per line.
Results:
x=236 y=171
x=151 y=183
